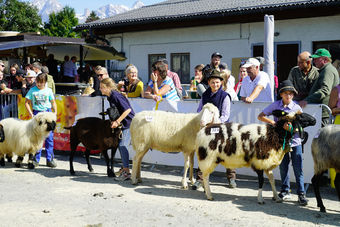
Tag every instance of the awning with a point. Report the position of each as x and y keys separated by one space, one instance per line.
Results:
x=61 y=47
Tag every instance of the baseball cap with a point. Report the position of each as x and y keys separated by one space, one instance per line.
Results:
x=251 y=62
x=163 y=60
x=31 y=73
x=216 y=54
x=322 y=52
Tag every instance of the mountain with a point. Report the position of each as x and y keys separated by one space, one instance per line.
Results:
x=46 y=7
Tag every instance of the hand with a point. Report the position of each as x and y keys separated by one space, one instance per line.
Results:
x=155 y=97
x=154 y=77
x=287 y=126
x=114 y=124
x=303 y=103
x=248 y=100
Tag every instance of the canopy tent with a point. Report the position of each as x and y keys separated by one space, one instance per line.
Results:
x=42 y=46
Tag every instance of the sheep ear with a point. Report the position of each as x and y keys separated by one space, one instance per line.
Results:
x=279 y=113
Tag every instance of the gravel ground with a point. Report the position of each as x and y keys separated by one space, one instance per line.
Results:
x=51 y=197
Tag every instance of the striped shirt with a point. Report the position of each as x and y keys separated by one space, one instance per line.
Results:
x=172 y=93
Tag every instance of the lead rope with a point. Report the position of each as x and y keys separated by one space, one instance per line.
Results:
x=284 y=139
x=159 y=100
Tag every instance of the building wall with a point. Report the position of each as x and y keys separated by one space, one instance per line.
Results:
x=232 y=41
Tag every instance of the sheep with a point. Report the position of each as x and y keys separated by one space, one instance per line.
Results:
x=168 y=132
x=26 y=136
x=95 y=133
x=259 y=146
x=326 y=154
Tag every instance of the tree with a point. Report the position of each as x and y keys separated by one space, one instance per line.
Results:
x=62 y=24
x=19 y=16
x=92 y=17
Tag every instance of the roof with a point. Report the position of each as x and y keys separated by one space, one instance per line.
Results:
x=175 y=10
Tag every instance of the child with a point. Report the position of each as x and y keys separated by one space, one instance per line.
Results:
x=42 y=99
x=222 y=100
x=115 y=98
x=287 y=92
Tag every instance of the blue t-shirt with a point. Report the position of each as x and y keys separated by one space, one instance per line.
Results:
x=41 y=99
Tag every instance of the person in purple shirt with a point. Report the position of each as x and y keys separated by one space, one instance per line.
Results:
x=222 y=100
x=287 y=92
x=115 y=98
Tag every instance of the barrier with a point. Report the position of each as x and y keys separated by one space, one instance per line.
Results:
x=71 y=108
x=8 y=106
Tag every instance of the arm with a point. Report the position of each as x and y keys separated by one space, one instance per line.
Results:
x=177 y=81
x=116 y=123
x=257 y=90
x=324 y=89
x=262 y=117
x=333 y=101
x=28 y=107
x=225 y=114
x=54 y=105
x=200 y=89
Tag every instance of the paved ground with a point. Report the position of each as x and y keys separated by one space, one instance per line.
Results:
x=51 y=197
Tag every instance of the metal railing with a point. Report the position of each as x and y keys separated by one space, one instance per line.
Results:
x=8 y=106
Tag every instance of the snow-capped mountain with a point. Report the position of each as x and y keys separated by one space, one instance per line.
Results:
x=46 y=7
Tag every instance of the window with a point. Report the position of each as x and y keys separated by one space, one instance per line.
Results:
x=180 y=63
x=153 y=58
x=332 y=46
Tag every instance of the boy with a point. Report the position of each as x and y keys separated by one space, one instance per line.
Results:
x=287 y=92
x=41 y=98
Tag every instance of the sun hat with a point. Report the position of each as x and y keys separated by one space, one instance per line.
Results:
x=287 y=85
x=322 y=52
x=215 y=74
x=251 y=62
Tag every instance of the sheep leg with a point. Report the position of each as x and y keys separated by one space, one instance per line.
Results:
x=316 y=186
x=270 y=175
x=19 y=161
x=30 y=161
x=87 y=156
x=113 y=154
x=110 y=173
x=191 y=173
x=136 y=166
x=2 y=160
x=71 y=163
x=206 y=185
x=186 y=167
x=261 y=180
x=9 y=158
x=337 y=184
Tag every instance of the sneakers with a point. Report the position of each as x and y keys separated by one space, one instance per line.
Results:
x=123 y=176
x=119 y=172
x=232 y=183
x=196 y=185
x=285 y=195
x=51 y=164
x=302 y=199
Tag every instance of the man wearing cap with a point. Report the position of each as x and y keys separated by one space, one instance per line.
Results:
x=28 y=82
x=287 y=92
x=222 y=100
x=321 y=89
x=174 y=76
x=303 y=75
x=256 y=86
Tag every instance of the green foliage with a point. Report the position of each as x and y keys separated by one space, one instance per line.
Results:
x=92 y=17
x=62 y=24
x=19 y=16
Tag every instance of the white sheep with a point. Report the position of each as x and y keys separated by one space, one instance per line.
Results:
x=261 y=147
x=168 y=132
x=23 y=137
x=326 y=154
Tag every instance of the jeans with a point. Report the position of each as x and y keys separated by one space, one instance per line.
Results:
x=123 y=143
x=48 y=144
x=296 y=156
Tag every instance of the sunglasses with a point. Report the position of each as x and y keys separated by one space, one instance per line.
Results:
x=100 y=74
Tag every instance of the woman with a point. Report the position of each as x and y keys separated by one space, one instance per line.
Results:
x=115 y=98
x=334 y=103
x=203 y=85
x=227 y=88
x=160 y=84
x=135 y=86
x=242 y=74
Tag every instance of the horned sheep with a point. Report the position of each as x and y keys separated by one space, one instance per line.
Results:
x=168 y=132
x=259 y=146
x=326 y=154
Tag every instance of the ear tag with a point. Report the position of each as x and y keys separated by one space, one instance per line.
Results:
x=148 y=118
x=283 y=113
x=214 y=130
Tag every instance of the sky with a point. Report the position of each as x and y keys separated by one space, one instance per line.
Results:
x=80 y=5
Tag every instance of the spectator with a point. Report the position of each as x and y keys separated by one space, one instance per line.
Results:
x=160 y=84
x=203 y=85
x=3 y=84
x=2 y=66
x=50 y=81
x=85 y=74
x=61 y=73
x=303 y=75
x=256 y=86
x=52 y=65
x=334 y=103
x=226 y=75
x=196 y=80
x=36 y=67
x=28 y=83
x=276 y=79
x=231 y=80
x=42 y=99
x=70 y=70
x=115 y=98
x=15 y=77
x=242 y=74
x=175 y=78
x=287 y=92
x=135 y=86
x=100 y=74
x=327 y=80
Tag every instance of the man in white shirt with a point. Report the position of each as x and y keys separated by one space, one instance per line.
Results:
x=256 y=86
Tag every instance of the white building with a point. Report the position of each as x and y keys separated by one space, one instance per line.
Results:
x=186 y=32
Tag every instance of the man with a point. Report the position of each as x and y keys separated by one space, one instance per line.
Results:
x=28 y=83
x=175 y=78
x=303 y=75
x=50 y=80
x=321 y=89
x=256 y=86
x=70 y=70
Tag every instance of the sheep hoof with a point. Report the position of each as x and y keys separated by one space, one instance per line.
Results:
x=18 y=164
x=72 y=173
x=278 y=199
x=210 y=198
x=30 y=166
x=261 y=202
x=185 y=187
x=134 y=182
x=323 y=209
x=91 y=170
x=111 y=174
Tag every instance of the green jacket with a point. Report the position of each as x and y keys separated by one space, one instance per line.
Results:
x=321 y=90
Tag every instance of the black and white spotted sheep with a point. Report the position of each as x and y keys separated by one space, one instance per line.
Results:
x=259 y=146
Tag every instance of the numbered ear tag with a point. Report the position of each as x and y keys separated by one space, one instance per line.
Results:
x=214 y=130
x=148 y=118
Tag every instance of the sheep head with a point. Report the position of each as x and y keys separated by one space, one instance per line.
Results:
x=46 y=121
x=209 y=114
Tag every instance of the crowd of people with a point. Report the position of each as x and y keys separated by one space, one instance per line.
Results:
x=212 y=82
